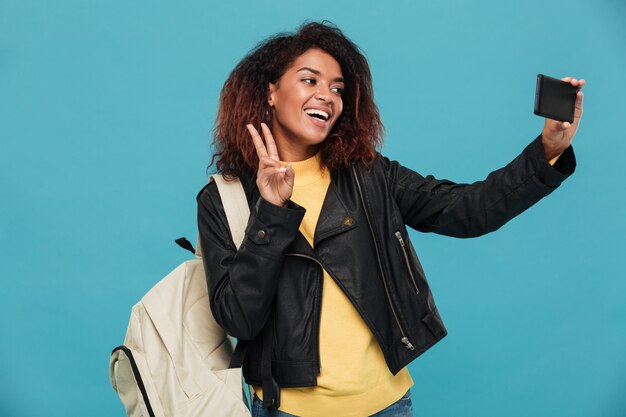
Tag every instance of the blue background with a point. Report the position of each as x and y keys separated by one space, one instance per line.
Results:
x=106 y=110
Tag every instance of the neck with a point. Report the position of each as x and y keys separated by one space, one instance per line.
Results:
x=290 y=149
x=308 y=171
x=289 y=154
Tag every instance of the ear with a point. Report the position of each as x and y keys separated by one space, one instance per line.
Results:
x=271 y=91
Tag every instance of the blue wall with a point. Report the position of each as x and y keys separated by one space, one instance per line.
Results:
x=105 y=116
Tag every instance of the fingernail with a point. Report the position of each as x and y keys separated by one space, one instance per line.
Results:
x=282 y=169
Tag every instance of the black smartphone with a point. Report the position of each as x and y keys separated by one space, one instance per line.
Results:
x=555 y=99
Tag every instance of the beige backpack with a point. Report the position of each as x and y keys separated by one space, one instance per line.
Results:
x=175 y=358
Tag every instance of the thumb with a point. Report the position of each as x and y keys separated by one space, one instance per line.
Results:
x=558 y=126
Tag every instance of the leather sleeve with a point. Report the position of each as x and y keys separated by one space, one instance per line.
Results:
x=468 y=210
x=242 y=283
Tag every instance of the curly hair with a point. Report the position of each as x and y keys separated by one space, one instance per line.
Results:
x=355 y=135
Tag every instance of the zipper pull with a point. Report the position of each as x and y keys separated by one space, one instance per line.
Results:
x=407 y=344
x=399 y=236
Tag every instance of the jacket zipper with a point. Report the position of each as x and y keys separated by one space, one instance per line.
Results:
x=319 y=360
x=405 y=340
x=406 y=259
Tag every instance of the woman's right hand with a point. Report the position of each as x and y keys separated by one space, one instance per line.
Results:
x=274 y=181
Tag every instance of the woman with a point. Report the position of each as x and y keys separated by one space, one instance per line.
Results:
x=326 y=292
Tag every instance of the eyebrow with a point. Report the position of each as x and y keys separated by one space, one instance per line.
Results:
x=316 y=72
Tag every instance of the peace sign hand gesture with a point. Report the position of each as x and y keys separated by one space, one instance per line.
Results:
x=275 y=182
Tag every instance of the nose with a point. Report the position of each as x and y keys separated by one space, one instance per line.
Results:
x=321 y=96
x=323 y=93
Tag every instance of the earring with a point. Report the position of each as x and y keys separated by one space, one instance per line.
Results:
x=268 y=117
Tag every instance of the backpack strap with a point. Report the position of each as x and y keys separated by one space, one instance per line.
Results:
x=237 y=213
x=185 y=244
x=235 y=206
x=271 y=390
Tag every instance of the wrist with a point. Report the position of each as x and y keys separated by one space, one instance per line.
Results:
x=282 y=204
x=550 y=150
x=551 y=156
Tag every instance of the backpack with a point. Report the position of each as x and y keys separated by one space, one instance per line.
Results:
x=176 y=361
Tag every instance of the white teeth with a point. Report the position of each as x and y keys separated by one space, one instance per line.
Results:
x=319 y=112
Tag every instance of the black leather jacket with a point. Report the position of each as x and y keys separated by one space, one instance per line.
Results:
x=275 y=279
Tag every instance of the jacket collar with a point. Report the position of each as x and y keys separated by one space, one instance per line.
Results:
x=334 y=218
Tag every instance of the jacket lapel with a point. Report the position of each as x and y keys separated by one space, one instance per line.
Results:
x=334 y=217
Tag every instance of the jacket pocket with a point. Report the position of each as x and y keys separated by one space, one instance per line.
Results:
x=402 y=244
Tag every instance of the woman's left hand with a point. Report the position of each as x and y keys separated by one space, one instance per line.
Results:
x=557 y=136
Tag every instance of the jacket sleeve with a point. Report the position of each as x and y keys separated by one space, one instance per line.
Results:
x=242 y=283
x=468 y=210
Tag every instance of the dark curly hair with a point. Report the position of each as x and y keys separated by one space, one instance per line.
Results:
x=357 y=132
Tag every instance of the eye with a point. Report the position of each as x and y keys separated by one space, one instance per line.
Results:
x=311 y=81
x=338 y=90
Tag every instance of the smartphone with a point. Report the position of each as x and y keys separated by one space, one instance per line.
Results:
x=555 y=99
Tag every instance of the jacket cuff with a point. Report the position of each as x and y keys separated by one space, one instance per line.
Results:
x=272 y=228
x=268 y=211
x=552 y=175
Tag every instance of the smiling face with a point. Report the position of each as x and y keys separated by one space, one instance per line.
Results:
x=306 y=102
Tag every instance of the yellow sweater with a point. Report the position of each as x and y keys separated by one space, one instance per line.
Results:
x=354 y=380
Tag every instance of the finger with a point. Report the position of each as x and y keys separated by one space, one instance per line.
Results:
x=268 y=171
x=269 y=166
x=573 y=81
x=290 y=174
x=258 y=142
x=579 y=100
x=269 y=140
x=556 y=124
x=268 y=162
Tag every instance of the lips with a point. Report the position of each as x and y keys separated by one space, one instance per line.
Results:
x=318 y=116
x=322 y=114
x=316 y=121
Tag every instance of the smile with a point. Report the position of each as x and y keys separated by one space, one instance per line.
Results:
x=318 y=114
x=318 y=117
